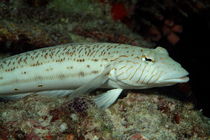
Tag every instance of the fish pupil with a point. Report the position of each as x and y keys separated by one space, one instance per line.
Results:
x=148 y=59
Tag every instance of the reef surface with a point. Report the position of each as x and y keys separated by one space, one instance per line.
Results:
x=138 y=116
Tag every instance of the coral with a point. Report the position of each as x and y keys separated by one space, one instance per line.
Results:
x=137 y=116
x=107 y=36
x=157 y=117
x=153 y=18
x=75 y=7
x=118 y=11
x=79 y=105
x=26 y=25
x=39 y=117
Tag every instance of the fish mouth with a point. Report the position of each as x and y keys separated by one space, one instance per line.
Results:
x=182 y=79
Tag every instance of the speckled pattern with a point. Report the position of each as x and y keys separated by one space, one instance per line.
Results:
x=71 y=66
x=60 y=62
x=61 y=53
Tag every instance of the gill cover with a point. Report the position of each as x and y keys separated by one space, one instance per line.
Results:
x=131 y=72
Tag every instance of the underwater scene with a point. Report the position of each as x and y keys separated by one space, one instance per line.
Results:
x=104 y=70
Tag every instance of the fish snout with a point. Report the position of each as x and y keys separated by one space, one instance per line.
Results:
x=178 y=75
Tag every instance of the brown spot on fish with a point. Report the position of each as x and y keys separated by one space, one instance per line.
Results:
x=19 y=60
x=37 y=55
x=69 y=67
x=16 y=89
x=105 y=59
x=25 y=60
x=36 y=64
x=45 y=56
x=114 y=59
x=95 y=60
x=9 y=63
x=70 y=53
x=33 y=65
x=51 y=55
x=81 y=74
x=95 y=72
x=23 y=72
x=49 y=69
x=80 y=60
x=57 y=51
x=80 y=50
x=61 y=76
x=38 y=78
x=64 y=49
x=9 y=70
x=123 y=56
x=88 y=66
x=59 y=60
x=40 y=85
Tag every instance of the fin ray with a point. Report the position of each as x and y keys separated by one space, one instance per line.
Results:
x=108 y=98
x=92 y=85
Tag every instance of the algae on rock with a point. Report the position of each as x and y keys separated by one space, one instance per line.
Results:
x=148 y=116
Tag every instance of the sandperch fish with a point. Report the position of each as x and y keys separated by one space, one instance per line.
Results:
x=88 y=66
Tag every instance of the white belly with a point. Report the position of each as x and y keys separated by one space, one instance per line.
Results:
x=66 y=75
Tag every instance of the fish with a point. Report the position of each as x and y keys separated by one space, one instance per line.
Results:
x=75 y=69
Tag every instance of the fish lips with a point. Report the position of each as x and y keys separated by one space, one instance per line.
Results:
x=182 y=79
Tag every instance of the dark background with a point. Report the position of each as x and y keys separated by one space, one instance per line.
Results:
x=192 y=51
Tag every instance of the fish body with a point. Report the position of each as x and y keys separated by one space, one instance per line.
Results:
x=89 y=66
x=61 y=67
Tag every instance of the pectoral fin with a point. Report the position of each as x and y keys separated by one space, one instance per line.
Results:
x=56 y=93
x=108 y=98
x=91 y=85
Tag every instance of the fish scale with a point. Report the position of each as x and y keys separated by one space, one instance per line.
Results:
x=88 y=66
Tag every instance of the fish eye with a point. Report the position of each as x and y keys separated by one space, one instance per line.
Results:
x=147 y=59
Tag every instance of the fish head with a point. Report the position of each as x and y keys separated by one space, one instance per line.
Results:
x=169 y=72
x=153 y=68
